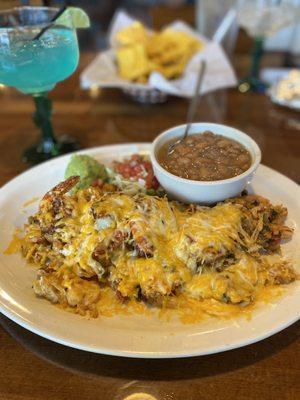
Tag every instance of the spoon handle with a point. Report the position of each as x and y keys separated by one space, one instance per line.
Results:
x=194 y=101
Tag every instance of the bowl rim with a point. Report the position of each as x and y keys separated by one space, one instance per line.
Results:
x=253 y=149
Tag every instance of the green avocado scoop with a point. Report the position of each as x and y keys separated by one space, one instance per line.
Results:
x=87 y=168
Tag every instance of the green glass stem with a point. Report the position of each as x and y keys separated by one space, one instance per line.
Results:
x=257 y=53
x=48 y=146
x=42 y=119
x=252 y=83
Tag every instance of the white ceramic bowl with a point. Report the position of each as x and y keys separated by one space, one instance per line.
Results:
x=204 y=192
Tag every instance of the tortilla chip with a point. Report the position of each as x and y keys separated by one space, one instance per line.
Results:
x=133 y=34
x=141 y=53
x=132 y=62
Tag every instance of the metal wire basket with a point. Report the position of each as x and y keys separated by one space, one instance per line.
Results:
x=146 y=96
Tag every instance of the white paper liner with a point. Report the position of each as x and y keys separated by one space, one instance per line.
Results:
x=103 y=71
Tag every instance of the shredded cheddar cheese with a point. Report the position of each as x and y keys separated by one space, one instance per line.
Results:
x=105 y=252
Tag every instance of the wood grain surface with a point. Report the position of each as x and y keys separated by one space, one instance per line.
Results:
x=33 y=368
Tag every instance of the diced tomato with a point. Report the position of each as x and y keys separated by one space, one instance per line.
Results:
x=136 y=157
x=155 y=183
x=148 y=166
x=98 y=183
x=135 y=168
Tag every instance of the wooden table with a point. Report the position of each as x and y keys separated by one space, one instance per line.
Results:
x=35 y=368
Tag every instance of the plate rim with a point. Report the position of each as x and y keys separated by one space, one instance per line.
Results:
x=32 y=327
x=113 y=146
x=145 y=355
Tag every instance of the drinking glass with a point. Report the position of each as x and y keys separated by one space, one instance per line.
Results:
x=35 y=65
x=260 y=19
x=209 y=17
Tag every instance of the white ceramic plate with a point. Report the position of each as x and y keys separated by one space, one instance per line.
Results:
x=134 y=336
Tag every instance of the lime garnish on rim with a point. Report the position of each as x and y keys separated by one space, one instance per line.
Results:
x=74 y=17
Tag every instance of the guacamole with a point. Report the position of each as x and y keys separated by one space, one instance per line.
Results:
x=87 y=168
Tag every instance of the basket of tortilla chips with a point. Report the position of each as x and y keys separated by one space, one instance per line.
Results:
x=149 y=65
x=139 y=52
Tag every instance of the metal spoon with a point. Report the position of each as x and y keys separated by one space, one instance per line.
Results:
x=192 y=107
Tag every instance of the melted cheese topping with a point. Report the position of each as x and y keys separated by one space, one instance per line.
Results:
x=15 y=244
x=30 y=202
x=191 y=260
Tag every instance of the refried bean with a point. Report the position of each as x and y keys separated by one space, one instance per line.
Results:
x=205 y=157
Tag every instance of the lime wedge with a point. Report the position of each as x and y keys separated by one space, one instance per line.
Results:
x=74 y=17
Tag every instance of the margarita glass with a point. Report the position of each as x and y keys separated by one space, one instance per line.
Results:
x=34 y=66
x=262 y=19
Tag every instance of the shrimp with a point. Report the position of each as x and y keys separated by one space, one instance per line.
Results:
x=52 y=199
x=142 y=244
x=61 y=188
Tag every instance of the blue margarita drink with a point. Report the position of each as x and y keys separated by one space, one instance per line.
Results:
x=35 y=66
x=38 y=49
